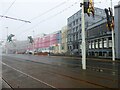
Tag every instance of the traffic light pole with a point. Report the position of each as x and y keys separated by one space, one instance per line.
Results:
x=113 y=46
x=113 y=39
x=83 y=39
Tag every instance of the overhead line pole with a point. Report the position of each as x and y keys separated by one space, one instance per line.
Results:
x=113 y=39
x=83 y=39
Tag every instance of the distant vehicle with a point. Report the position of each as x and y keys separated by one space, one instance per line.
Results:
x=29 y=52
x=74 y=52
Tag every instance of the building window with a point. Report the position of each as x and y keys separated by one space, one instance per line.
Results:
x=70 y=40
x=80 y=19
x=76 y=21
x=96 y=44
x=110 y=42
x=73 y=37
x=73 y=23
x=80 y=26
x=68 y=47
x=92 y=53
x=100 y=53
x=110 y=53
x=89 y=45
x=93 y=45
x=70 y=25
x=100 y=43
x=62 y=47
x=73 y=30
x=80 y=46
x=77 y=46
x=77 y=36
x=77 y=28
x=105 y=43
x=76 y=14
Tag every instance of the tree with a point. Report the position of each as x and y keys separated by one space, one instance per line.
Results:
x=30 y=39
x=9 y=38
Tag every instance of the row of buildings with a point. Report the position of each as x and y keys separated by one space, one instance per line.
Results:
x=68 y=40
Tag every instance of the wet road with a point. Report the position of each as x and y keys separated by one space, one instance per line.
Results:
x=27 y=71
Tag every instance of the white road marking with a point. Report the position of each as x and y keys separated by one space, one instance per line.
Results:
x=28 y=75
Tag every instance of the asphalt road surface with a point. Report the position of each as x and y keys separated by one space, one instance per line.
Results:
x=28 y=71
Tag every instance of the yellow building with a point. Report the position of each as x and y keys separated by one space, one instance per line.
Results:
x=64 y=40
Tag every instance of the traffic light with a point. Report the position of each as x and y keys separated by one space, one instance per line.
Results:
x=86 y=7
x=89 y=7
x=110 y=19
x=30 y=39
x=9 y=38
x=92 y=7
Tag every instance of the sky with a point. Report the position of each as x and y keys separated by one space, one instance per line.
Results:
x=46 y=16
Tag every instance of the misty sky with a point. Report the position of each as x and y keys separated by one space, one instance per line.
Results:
x=43 y=18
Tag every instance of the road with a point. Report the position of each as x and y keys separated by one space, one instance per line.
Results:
x=28 y=71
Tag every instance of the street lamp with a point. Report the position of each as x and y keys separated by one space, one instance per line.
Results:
x=6 y=31
x=6 y=40
x=33 y=42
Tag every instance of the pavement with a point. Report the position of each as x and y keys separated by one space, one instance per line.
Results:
x=49 y=72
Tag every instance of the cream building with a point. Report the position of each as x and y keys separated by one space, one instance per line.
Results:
x=64 y=40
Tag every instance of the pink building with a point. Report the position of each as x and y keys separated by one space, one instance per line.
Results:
x=53 y=39
x=44 y=42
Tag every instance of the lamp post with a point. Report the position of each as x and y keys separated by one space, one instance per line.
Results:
x=7 y=30
x=33 y=42
x=6 y=40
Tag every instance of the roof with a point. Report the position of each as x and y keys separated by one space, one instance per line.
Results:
x=117 y=6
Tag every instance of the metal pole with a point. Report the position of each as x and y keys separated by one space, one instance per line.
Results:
x=6 y=41
x=111 y=4
x=7 y=31
x=113 y=46
x=49 y=45
x=113 y=40
x=83 y=39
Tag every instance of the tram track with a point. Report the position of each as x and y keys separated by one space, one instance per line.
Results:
x=63 y=75
x=68 y=76
x=97 y=69
x=51 y=86
x=94 y=68
x=7 y=84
